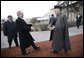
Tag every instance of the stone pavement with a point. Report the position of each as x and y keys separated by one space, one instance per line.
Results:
x=41 y=36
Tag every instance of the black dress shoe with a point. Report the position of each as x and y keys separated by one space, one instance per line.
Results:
x=68 y=52
x=37 y=47
x=54 y=51
x=25 y=53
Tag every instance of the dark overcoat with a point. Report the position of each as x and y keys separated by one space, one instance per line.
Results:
x=23 y=29
x=60 y=37
x=9 y=29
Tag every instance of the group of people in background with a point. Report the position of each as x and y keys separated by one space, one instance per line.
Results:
x=11 y=29
x=58 y=26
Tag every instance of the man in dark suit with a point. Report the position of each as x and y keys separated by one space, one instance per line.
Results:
x=25 y=37
x=51 y=23
x=9 y=30
x=78 y=19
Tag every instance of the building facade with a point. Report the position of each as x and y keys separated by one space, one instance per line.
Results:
x=71 y=8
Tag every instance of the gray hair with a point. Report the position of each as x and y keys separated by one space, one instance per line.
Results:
x=19 y=13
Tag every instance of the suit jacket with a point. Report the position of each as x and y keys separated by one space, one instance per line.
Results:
x=9 y=29
x=79 y=18
x=52 y=22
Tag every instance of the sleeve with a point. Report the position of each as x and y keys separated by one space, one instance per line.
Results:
x=29 y=25
x=76 y=18
x=81 y=16
x=52 y=21
x=5 y=29
x=24 y=26
x=66 y=32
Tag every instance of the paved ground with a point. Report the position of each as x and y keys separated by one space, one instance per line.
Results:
x=45 y=48
x=41 y=36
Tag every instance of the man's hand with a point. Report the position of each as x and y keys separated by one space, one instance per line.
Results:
x=51 y=28
x=32 y=28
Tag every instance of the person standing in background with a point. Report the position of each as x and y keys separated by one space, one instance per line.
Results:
x=51 y=24
x=78 y=19
x=9 y=30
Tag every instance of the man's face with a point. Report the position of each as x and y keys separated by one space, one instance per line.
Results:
x=57 y=10
x=10 y=18
x=21 y=15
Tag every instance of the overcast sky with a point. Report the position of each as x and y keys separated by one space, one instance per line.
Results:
x=29 y=8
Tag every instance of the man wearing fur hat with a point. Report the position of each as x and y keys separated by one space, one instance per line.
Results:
x=60 y=37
